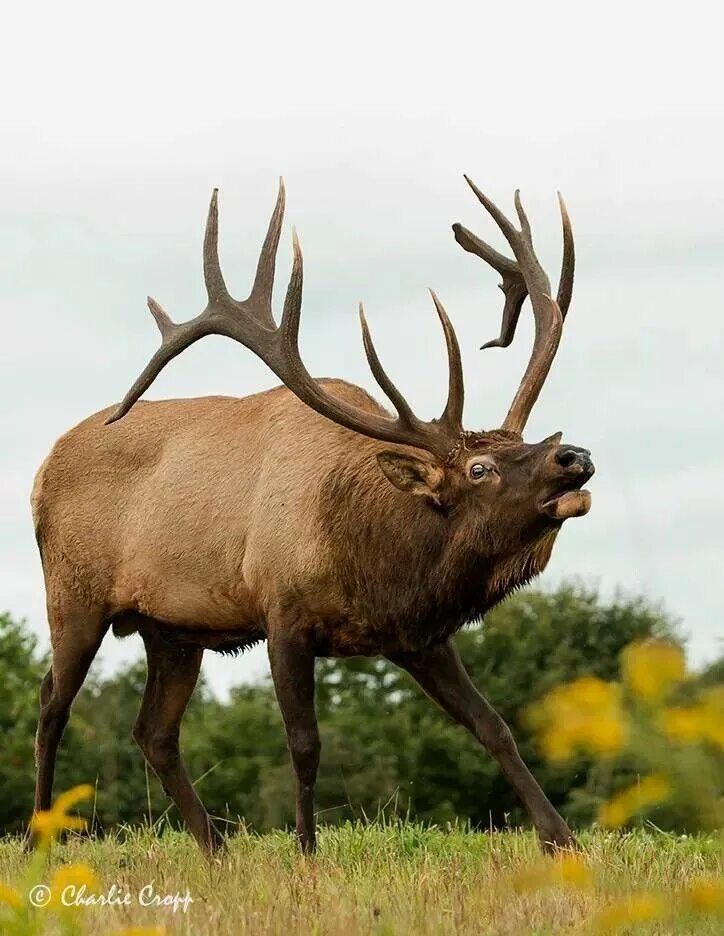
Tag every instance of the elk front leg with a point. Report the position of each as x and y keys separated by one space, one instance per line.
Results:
x=292 y=665
x=441 y=674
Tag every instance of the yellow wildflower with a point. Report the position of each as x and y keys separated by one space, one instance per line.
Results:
x=706 y=896
x=613 y=813
x=636 y=908
x=10 y=897
x=712 y=704
x=565 y=868
x=648 y=792
x=586 y=714
x=571 y=868
x=556 y=746
x=682 y=723
x=652 y=667
x=67 y=882
x=49 y=823
x=694 y=724
x=607 y=735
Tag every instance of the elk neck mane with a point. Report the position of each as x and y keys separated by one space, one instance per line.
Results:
x=415 y=574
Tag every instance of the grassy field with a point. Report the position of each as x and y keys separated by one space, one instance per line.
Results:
x=380 y=879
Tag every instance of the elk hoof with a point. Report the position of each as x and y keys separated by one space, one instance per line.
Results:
x=552 y=840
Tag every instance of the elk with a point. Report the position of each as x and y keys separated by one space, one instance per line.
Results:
x=307 y=516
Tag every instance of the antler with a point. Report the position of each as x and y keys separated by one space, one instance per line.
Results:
x=251 y=323
x=520 y=279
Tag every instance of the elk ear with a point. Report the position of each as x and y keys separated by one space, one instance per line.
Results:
x=414 y=475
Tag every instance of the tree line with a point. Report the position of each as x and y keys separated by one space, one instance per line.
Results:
x=385 y=747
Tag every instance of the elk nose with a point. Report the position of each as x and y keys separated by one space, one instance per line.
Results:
x=571 y=456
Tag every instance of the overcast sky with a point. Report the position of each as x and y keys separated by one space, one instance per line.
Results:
x=117 y=122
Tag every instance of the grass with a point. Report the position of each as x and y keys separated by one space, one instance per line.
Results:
x=381 y=878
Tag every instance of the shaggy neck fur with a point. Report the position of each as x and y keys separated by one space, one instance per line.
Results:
x=413 y=574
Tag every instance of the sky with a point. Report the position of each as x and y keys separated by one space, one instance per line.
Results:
x=118 y=121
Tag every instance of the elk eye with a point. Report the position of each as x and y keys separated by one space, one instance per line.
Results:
x=478 y=471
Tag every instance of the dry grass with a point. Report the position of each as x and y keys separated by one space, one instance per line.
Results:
x=377 y=879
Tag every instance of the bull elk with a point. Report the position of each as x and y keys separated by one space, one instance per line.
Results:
x=307 y=516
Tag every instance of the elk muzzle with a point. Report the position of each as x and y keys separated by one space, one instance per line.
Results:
x=576 y=469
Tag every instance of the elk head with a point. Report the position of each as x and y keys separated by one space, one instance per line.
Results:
x=518 y=489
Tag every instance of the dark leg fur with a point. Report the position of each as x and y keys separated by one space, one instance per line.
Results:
x=77 y=634
x=172 y=675
x=441 y=674
x=292 y=666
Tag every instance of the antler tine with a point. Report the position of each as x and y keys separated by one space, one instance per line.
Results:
x=288 y=365
x=513 y=285
x=383 y=380
x=406 y=429
x=213 y=277
x=259 y=303
x=161 y=317
x=174 y=339
x=523 y=218
x=252 y=324
x=453 y=413
x=520 y=241
x=545 y=344
x=568 y=264
x=521 y=278
x=261 y=291
x=292 y=311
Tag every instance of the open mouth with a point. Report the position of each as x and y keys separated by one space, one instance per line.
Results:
x=571 y=502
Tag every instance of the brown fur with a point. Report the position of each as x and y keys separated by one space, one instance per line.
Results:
x=207 y=514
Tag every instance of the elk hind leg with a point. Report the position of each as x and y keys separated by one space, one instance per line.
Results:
x=76 y=635
x=172 y=675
